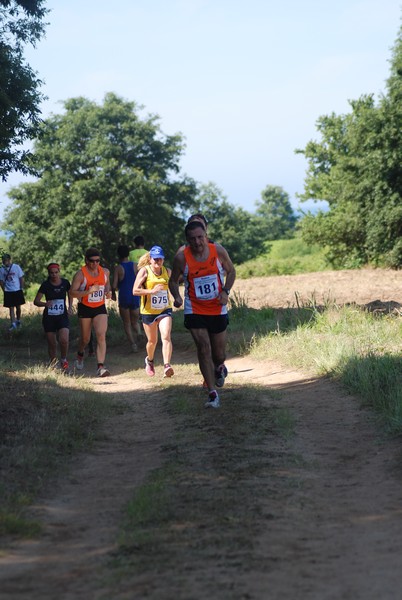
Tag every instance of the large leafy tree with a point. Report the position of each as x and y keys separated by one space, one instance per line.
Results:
x=276 y=213
x=21 y=23
x=240 y=232
x=106 y=175
x=357 y=168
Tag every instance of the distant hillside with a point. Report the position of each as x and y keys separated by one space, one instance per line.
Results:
x=285 y=257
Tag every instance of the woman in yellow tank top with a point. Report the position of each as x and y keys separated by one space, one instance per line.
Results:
x=151 y=284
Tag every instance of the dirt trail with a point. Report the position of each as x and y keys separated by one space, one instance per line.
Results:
x=335 y=526
x=330 y=525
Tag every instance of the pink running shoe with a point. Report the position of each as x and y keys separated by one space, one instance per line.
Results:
x=168 y=372
x=149 y=367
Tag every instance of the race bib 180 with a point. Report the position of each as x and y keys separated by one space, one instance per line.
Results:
x=97 y=295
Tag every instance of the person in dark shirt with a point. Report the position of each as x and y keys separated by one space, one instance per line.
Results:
x=58 y=307
x=129 y=305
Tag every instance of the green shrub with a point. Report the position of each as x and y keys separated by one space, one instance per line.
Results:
x=285 y=257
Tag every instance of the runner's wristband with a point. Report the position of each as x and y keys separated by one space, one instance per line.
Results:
x=226 y=290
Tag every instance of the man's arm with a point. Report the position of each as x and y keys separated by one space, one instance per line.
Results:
x=75 y=291
x=177 y=272
x=116 y=278
x=228 y=266
x=108 y=293
x=229 y=270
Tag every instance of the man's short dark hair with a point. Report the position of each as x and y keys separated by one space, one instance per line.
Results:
x=139 y=240
x=123 y=252
x=193 y=225
x=197 y=217
x=92 y=252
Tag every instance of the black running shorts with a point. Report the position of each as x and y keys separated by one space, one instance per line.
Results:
x=87 y=312
x=212 y=323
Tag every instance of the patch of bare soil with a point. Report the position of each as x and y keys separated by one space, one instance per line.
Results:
x=318 y=516
x=359 y=286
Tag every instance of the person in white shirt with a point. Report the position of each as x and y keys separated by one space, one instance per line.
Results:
x=12 y=284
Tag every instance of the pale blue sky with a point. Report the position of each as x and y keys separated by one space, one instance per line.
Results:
x=243 y=81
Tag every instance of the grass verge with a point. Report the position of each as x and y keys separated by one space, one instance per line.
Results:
x=44 y=419
x=362 y=350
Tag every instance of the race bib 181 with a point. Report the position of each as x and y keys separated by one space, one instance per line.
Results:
x=206 y=288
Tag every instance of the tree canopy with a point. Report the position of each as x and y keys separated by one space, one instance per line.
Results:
x=240 y=232
x=357 y=168
x=105 y=176
x=21 y=23
x=276 y=213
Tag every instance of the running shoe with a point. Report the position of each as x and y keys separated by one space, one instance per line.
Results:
x=79 y=363
x=168 y=372
x=103 y=372
x=220 y=375
x=13 y=326
x=64 y=365
x=149 y=367
x=213 y=400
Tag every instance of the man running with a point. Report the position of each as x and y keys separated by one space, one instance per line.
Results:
x=138 y=250
x=129 y=305
x=12 y=284
x=91 y=286
x=203 y=266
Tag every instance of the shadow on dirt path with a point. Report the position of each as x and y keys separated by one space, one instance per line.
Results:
x=314 y=516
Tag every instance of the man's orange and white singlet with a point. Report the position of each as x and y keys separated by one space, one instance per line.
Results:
x=203 y=283
x=96 y=298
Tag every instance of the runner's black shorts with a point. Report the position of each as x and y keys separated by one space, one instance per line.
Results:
x=14 y=299
x=53 y=324
x=149 y=319
x=87 y=312
x=212 y=323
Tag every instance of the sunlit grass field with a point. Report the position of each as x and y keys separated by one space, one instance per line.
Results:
x=285 y=257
